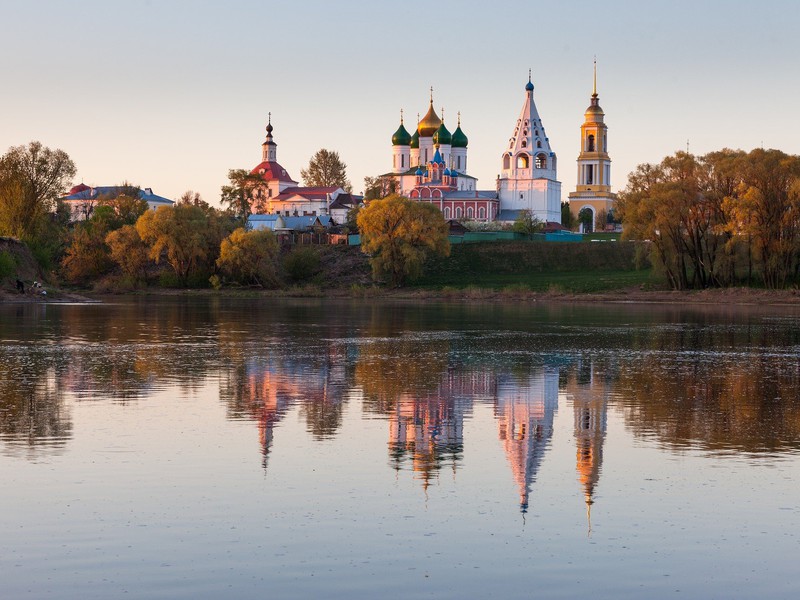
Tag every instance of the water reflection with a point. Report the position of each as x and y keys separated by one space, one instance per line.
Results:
x=716 y=381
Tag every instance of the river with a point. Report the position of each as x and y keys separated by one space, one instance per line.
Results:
x=285 y=448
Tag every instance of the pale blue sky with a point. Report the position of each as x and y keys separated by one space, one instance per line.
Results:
x=172 y=94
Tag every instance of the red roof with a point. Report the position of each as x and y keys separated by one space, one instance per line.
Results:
x=81 y=187
x=272 y=170
x=310 y=193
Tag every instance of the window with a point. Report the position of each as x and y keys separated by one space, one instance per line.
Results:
x=590 y=143
x=469 y=213
x=459 y=162
x=541 y=161
x=589 y=174
x=538 y=143
x=523 y=161
x=447 y=213
x=506 y=162
x=605 y=143
x=403 y=161
x=524 y=143
x=458 y=212
x=481 y=213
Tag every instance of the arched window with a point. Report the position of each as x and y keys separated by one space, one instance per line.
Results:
x=541 y=161
x=469 y=213
x=459 y=162
x=524 y=143
x=523 y=161
x=506 y=162
x=481 y=213
x=605 y=143
x=447 y=213
x=458 y=212
x=590 y=143
x=538 y=143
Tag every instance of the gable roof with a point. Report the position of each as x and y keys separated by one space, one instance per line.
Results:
x=271 y=170
x=84 y=192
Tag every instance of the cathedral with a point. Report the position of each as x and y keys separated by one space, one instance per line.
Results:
x=430 y=165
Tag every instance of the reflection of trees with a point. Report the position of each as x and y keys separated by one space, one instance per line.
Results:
x=32 y=410
x=744 y=403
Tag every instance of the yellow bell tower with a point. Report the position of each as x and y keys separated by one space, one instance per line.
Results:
x=594 y=167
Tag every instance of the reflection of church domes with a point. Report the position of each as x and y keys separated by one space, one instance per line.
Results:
x=429 y=123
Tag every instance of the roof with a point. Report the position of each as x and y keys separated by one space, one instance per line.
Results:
x=471 y=195
x=346 y=201
x=310 y=193
x=277 y=222
x=112 y=191
x=271 y=170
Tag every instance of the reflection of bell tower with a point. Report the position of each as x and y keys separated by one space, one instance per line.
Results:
x=525 y=412
x=590 y=407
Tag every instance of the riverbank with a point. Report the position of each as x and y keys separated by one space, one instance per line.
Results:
x=730 y=296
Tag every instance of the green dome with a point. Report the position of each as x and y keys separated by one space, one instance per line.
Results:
x=401 y=137
x=459 y=139
x=415 y=139
x=442 y=136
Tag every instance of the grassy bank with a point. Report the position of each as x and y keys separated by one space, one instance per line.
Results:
x=540 y=266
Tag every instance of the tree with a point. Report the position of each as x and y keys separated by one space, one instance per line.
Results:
x=250 y=257
x=526 y=223
x=193 y=198
x=399 y=234
x=379 y=187
x=128 y=250
x=237 y=194
x=182 y=233
x=586 y=218
x=567 y=220
x=32 y=178
x=326 y=169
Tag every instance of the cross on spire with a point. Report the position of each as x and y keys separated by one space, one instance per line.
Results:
x=594 y=87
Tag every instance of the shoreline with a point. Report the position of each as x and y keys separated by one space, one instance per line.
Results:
x=721 y=296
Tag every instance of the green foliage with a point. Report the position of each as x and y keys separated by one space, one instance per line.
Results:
x=325 y=168
x=238 y=194
x=586 y=218
x=32 y=177
x=250 y=257
x=302 y=263
x=399 y=235
x=567 y=219
x=526 y=223
x=379 y=187
x=8 y=266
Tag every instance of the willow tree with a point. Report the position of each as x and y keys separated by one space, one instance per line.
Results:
x=399 y=235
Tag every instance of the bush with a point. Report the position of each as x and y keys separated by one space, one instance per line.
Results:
x=8 y=266
x=301 y=263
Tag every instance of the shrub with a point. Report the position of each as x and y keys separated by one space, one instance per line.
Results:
x=8 y=266
x=301 y=263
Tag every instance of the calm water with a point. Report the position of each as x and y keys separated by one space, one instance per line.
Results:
x=171 y=448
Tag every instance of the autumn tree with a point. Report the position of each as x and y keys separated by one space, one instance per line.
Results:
x=250 y=257
x=399 y=234
x=182 y=234
x=32 y=178
x=128 y=251
x=326 y=169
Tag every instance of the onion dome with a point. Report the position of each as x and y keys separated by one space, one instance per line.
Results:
x=437 y=157
x=415 y=139
x=419 y=172
x=446 y=172
x=529 y=85
x=442 y=136
x=459 y=138
x=453 y=173
x=401 y=137
x=429 y=123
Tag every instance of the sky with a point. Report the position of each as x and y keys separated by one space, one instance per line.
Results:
x=172 y=94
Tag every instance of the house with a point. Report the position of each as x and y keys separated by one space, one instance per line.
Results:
x=83 y=199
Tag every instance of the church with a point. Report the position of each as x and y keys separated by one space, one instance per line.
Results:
x=431 y=166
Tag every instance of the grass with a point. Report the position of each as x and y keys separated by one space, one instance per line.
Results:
x=561 y=281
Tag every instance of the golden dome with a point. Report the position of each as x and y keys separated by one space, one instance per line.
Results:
x=429 y=123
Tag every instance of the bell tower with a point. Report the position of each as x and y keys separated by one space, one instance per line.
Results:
x=593 y=191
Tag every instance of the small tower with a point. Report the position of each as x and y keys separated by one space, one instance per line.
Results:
x=594 y=166
x=269 y=149
x=528 y=179
x=401 y=148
